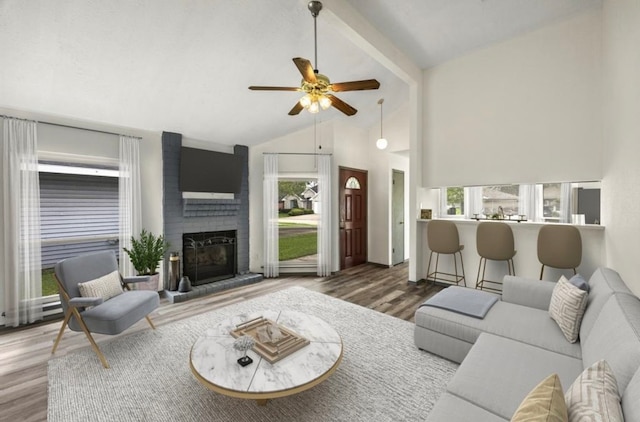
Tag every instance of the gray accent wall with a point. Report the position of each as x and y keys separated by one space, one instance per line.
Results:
x=202 y=215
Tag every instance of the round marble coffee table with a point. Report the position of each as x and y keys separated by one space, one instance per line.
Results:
x=214 y=363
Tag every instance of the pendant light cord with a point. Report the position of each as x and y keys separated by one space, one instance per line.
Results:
x=380 y=101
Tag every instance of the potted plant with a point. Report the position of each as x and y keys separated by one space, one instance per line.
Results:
x=146 y=253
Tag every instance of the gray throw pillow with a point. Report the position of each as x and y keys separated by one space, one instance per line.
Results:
x=579 y=281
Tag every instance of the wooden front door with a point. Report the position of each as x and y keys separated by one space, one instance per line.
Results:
x=353 y=217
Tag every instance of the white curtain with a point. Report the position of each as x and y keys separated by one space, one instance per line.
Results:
x=473 y=201
x=531 y=201
x=271 y=263
x=22 y=270
x=565 y=203
x=129 y=199
x=444 y=206
x=324 y=225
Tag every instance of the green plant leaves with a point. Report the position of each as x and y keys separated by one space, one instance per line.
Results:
x=146 y=252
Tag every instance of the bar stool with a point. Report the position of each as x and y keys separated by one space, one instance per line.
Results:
x=494 y=240
x=442 y=237
x=559 y=246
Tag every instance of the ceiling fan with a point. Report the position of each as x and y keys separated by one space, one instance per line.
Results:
x=316 y=86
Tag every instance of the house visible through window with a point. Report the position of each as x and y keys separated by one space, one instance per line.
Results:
x=78 y=212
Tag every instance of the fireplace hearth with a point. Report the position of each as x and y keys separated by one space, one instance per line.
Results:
x=209 y=256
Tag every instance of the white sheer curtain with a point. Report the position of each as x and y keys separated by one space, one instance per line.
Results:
x=129 y=198
x=324 y=225
x=443 y=203
x=271 y=265
x=473 y=201
x=531 y=201
x=565 y=203
x=22 y=270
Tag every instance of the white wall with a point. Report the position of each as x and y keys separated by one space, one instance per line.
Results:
x=524 y=110
x=621 y=145
x=381 y=165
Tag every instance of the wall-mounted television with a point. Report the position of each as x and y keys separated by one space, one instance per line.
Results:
x=210 y=171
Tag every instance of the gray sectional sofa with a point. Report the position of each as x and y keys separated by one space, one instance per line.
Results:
x=517 y=345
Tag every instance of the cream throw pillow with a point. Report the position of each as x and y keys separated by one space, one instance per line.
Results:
x=105 y=287
x=567 y=306
x=593 y=396
x=545 y=403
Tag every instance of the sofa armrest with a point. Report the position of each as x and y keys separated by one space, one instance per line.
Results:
x=527 y=292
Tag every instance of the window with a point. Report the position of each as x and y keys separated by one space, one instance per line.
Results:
x=500 y=199
x=298 y=222
x=78 y=212
x=551 y=202
x=352 y=183
x=547 y=202
x=453 y=201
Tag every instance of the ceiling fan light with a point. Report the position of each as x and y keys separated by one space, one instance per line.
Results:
x=325 y=102
x=314 y=107
x=382 y=143
x=306 y=101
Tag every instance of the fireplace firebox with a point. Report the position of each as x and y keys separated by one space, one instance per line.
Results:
x=209 y=256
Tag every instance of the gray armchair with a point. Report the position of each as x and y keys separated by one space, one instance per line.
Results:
x=94 y=314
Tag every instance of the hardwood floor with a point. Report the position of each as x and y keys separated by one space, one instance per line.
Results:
x=24 y=352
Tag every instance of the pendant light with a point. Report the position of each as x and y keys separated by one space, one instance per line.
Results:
x=381 y=143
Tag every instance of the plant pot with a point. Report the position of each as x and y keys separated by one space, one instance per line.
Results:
x=152 y=284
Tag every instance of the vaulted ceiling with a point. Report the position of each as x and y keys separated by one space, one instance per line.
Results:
x=185 y=65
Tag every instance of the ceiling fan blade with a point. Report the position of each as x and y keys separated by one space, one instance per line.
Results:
x=296 y=109
x=341 y=105
x=305 y=68
x=355 y=85
x=273 y=88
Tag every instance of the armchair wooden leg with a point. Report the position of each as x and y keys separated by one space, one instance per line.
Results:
x=150 y=323
x=90 y=338
x=64 y=325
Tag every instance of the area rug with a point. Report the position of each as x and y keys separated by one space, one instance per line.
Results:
x=382 y=377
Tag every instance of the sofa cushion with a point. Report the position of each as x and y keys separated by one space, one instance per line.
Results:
x=528 y=325
x=567 y=308
x=451 y=408
x=119 y=313
x=545 y=403
x=603 y=283
x=594 y=395
x=615 y=337
x=498 y=372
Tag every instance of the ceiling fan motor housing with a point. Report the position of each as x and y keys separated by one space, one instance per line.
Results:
x=321 y=86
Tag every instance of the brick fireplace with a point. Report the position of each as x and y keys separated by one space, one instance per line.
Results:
x=200 y=216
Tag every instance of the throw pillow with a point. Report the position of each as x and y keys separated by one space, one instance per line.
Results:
x=579 y=281
x=567 y=308
x=105 y=287
x=545 y=403
x=593 y=396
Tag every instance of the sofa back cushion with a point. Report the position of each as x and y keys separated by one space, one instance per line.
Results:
x=603 y=283
x=615 y=337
